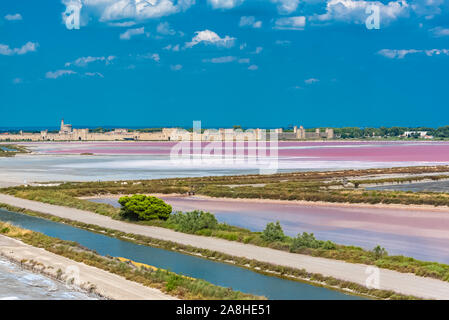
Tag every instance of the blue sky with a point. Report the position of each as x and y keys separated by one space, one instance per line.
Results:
x=255 y=63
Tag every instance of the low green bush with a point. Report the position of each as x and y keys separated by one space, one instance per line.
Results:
x=308 y=240
x=273 y=232
x=141 y=207
x=379 y=252
x=194 y=221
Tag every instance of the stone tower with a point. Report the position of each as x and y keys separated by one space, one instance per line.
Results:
x=300 y=133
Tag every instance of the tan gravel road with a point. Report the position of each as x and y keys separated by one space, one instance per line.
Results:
x=387 y=279
x=106 y=284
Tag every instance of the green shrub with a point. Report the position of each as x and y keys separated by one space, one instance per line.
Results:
x=379 y=252
x=4 y=230
x=193 y=221
x=173 y=282
x=141 y=207
x=273 y=232
x=329 y=245
x=308 y=240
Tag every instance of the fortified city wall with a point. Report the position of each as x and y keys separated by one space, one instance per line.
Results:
x=67 y=133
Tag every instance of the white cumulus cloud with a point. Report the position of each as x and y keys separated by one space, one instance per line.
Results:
x=139 y=9
x=250 y=21
x=156 y=57
x=224 y=4
x=291 y=23
x=354 y=11
x=440 y=32
x=226 y=59
x=427 y=8
x=397 y=53
x=172 y=47
x=311 y=81
x=58 y=73
x=94 y=74
x=258 y=50
x=282 y=42
x=27 y=47
x=165 y=29
x=437 y=52
x=122 y=24
x=210 y=37
x=286 y=6
x=176 y=67
x=13 y=17
x=128 y=34
x=84 y=61
x=402 y=53
x=111 y=10
x=151 y=56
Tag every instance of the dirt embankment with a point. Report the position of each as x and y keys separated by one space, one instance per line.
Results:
x=85 y=277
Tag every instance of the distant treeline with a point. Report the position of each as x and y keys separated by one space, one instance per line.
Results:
x=384 y=132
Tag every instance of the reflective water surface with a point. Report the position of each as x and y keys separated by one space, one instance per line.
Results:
x=422 y=234
x=19 y=284
x=214 y=272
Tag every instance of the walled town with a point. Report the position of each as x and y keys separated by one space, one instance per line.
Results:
x=68 y=133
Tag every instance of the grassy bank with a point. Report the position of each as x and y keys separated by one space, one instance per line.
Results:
x=257 y=266
x=307 y=244
x=306 y=186
x=166 y=281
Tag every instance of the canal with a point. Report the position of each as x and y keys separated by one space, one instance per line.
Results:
x=221 y=274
